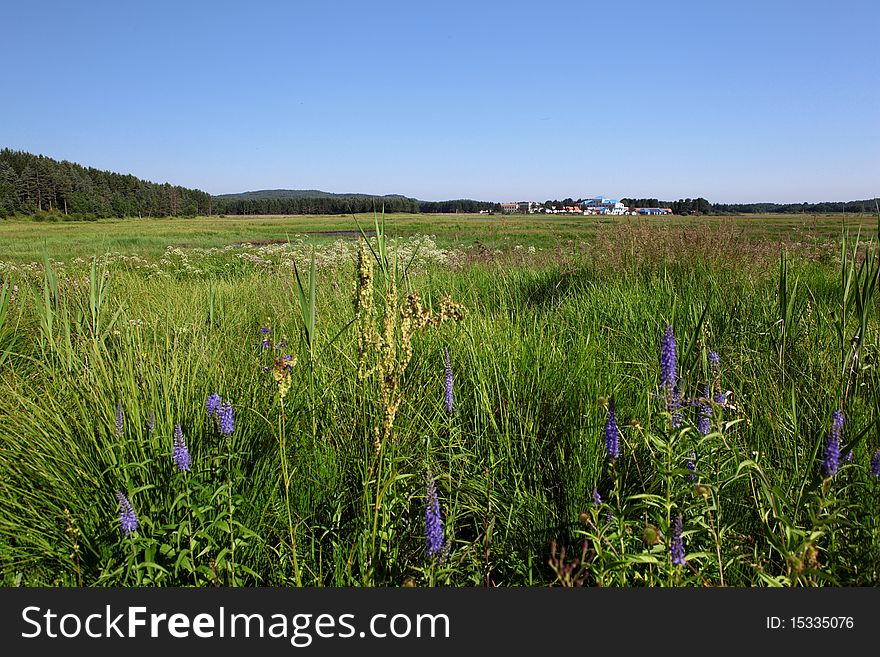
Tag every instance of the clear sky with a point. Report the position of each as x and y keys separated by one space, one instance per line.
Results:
x=736 y=101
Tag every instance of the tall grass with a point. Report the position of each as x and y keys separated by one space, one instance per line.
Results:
x=323 y=479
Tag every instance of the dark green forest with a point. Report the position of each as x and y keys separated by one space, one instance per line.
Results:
x=867 y=205
x=681 y=206
x=39 y=186
x=289 y=201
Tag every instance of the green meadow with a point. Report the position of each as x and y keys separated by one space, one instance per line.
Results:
x=24 y=239
x=560 y=443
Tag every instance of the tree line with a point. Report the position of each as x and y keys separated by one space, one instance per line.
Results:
x=342 y=204
x=44 y=187
x=865 y=206
x=47 y=188
x=38 y=185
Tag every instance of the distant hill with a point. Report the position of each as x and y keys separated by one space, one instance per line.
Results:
x=315 y=201
x=302 y=193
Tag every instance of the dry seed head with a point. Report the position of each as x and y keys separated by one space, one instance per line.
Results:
x=651 y=535
x=283 y=387
x=363 y=302
x=811 y=556
x=377 y=445
x=701 y=490
x=449 y=309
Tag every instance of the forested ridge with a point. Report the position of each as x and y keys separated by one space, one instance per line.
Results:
x=46 y=188
x=290 y=201
x=36 y=184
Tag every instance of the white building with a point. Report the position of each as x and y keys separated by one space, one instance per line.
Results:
x=602 y=205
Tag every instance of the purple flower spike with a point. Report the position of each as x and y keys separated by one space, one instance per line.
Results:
x=668 y=363
x=832 y=448
x=714 y=359
x=212 y=403
x=120 y=420
x=265 y=330
x=450 y=404
x=704 y=424
x=676 y=545
x=182 y=458
x=597 y=499
x=128 y=521
x=612 y=433
x=669 y=381
x=226 y=418
x=436 y=543
x=875 y=464
x=673 y=404
x=151 y=422
x=692 y=466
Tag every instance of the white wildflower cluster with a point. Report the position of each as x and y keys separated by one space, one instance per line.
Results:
x=417 y=252
x=422 y=250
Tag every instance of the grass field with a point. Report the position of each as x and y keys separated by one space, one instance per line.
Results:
x=28 y=240
x=561 y=442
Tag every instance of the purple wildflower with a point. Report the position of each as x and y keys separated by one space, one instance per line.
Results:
x=832 y=456
x=597 y=499
x=721 y=398
x=669 y=381
x=704 y=425
x=612 y=434
x=128 y=521
x=849 y=457
x=212 y=404
x=151 y=422
x=714 y=359
x=264 y=343
x=705 y=422
x=692 y=466
x=436 y=543
x=450 y=405
x=673 y=404
x=265 y=330
x=676 y=545
x=832 y=448
x=120 y=420
x=875 y=464
x=226 y=418
x=668 y=365
x=182 y=458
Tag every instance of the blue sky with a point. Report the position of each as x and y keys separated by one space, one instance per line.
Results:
x=733 y=101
